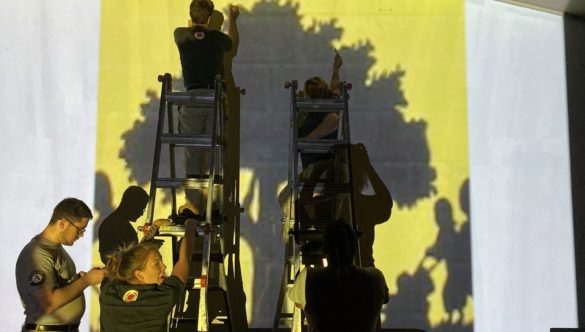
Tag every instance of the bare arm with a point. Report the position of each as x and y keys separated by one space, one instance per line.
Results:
x=233 y=29
x=51 y=299
x=334 y=84
x=326 y=127
x=181 y=268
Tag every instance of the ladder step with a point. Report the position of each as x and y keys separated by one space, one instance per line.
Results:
x=191 y=99
x=324 y=186
x=320 y=146
x=213 y=257
x=200 y=141
x=320 y=105
x=187 y=183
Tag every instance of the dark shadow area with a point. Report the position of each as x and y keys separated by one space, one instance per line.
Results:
x=103 y=200
x=275 y=48
x=575 y=67
x=373 y=202
x=116 y=229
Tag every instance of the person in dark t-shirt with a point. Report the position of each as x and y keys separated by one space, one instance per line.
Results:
x=340 y=296
x=201 y=50
x=136 y=295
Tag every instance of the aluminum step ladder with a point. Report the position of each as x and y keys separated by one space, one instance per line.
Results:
x=332 y=195
x=209 y=229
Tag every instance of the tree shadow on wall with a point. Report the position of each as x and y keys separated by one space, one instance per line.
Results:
x=274 y=47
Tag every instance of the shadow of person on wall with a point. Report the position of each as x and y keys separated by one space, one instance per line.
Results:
x=102 y=200
x=116 y=230
x=454 y=247
x=408 y=308
x=373 y=201
x=231 y=172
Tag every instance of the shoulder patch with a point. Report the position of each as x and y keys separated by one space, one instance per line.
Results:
x=199 y=35
x=130 y=296
x=36 y=277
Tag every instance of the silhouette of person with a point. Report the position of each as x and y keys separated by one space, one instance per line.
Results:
x=454 y=247
x=341 y=296
x=373 y=201
x=116 y=230
x=408 y=308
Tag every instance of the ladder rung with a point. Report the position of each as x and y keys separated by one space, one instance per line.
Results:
x=201 y=141
x=319 y=105
x=213 y=257
x=318 y=222
x=324 y=186
x=322 y=145
x=188 y=183
x=190 y=99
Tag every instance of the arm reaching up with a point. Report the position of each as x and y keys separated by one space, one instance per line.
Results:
x=334 y=84
x=181 y=268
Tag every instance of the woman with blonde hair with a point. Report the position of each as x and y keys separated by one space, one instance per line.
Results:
x=137 y=295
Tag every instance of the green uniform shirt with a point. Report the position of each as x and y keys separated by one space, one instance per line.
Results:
x=42 y=264
x=143 y=308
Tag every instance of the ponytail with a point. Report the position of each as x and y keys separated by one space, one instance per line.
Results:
x=124 y=261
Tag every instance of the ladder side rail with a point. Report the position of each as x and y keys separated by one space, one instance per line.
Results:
x=292 y=151
x=344 y=88
x=222 y=116
x=295 y=158
x=214 y=145
x=203 y=320
x=165 y=80
x=172 y=166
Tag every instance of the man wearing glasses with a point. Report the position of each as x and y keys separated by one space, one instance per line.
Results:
x=50 y=288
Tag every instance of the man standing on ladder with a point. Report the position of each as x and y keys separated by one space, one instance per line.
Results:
x=201 y=51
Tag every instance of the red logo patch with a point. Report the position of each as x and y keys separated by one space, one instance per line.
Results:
x=130 y=296
x=199 y=35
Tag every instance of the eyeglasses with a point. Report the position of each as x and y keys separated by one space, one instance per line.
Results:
x=79 y=229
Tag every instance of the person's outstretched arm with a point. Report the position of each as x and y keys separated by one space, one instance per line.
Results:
x=233 y=29
x=334 y=84
x=181 y=268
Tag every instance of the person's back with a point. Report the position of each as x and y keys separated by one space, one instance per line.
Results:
x=201 y=49
x=344 y=301
x=341 y=296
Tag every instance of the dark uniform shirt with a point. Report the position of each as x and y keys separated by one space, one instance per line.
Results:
x=351 y=303
x=201 y=51
x=143 y=308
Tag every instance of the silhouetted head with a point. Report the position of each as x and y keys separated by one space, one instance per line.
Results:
x=200 y=11
x=444 y=214
x=133 y=202
x=339 y=243
x=464 y=197
x=216 y=20
x=316 y=87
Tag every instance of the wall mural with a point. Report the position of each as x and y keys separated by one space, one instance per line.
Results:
x=418 y=155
